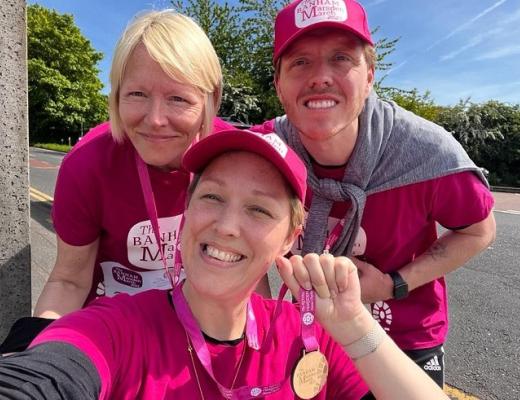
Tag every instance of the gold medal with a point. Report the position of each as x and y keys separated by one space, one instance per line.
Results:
x=310 y=374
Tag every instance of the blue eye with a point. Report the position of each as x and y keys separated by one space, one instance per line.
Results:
x=136 y=94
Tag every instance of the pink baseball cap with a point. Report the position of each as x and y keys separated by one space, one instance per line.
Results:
x=302 y=16
x=268 y=146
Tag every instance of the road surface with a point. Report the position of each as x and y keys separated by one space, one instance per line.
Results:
x=483 y=347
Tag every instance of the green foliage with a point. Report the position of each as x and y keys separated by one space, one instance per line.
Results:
x=420 y=104
x=64 y=148
x=243 y=38
x=64 y=90
x=490 y=133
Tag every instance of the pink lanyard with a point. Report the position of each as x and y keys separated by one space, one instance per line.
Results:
x=307 y=306
x=334 y=235
x=189 y=323
x=146 y=187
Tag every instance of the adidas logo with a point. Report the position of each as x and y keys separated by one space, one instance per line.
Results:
x=433 y=365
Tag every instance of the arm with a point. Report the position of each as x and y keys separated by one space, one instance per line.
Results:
x=341 y=313
x=449 y=252
x=49 y=371
x=69 y=282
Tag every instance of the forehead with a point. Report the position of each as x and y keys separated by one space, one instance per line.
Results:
x=323 y=37
x=241 y=164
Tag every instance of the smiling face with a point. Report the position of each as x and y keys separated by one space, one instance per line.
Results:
x=322 y=83
x=160 y=116
x=237 y=222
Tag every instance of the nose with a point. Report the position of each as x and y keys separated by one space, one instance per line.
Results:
x=227 y=223
x=321 y=76
x=156 y=114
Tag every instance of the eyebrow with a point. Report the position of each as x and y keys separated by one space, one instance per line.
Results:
x=219 y=182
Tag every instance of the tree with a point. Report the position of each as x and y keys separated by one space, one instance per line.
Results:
x=490 y=133
x=64 y=90
x=222 y=23
x=420 y=104
x=243 y=38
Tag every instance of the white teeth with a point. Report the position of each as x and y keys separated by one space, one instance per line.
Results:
x=321 y=103
x=222 y=255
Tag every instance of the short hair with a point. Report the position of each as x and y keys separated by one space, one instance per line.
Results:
x=183 y=51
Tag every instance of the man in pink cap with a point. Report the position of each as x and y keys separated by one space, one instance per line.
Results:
x=380 y=177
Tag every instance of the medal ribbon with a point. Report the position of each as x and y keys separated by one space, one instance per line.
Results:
x=189 y=323
x=307 y=318
x=334 y=235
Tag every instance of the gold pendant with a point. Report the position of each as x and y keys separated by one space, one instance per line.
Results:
x=310 y=374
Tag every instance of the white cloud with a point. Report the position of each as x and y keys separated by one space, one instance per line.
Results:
x=499 y=53
x=472 y=43
x=467 y=23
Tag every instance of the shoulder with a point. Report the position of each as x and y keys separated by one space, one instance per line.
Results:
x=96 y=148
x=266 y=127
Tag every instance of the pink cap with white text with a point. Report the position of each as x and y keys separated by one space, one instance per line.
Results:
x=268 y=146
x=302 y=16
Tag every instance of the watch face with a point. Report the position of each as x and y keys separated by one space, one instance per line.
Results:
x=401 y=291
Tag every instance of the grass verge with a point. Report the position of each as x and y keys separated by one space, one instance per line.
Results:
x=53 y=146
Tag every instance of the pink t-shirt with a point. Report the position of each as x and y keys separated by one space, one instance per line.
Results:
x=98 y=195
x=139 y=348
x=400 y=224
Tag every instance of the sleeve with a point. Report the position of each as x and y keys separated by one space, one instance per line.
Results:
x=460 y=200
x=344 y=381
x=97 y=331
x=76 y=208
x=49 y=371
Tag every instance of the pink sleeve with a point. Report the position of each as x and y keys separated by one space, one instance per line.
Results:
x=461 y=200
x=97 y=331
x=76 y=207
x=266 y=127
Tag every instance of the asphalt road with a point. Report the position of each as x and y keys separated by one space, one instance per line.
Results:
x=483 y=348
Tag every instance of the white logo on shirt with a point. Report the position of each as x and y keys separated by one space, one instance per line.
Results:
x=383 y=314
x=142 y=248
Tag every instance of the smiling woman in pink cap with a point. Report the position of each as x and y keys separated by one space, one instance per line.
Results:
x=211 y=337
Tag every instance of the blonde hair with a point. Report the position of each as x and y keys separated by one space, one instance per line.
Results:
x=183 y=51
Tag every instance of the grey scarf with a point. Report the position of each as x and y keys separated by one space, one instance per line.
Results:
x=394 y=148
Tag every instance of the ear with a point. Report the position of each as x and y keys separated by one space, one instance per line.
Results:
x=289 y=241
x=370 y=78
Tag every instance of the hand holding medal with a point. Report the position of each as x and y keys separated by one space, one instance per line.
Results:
x=338 y=295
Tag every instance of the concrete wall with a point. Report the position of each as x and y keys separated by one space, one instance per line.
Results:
x=15 y=255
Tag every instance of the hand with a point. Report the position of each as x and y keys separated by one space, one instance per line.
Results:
x=338 y=298
x=375 y=285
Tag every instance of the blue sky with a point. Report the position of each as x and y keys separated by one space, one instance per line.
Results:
x=455 y=49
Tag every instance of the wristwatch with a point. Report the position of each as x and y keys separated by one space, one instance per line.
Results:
x=400 y=286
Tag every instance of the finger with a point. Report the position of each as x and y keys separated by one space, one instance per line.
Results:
x=285 y=269
x=300 y=272
x=327 y=262
x=317 y=275
x=344 y=268
x=360 y=265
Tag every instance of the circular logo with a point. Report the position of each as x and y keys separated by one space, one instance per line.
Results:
x=256 y=391
x=308 y=318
